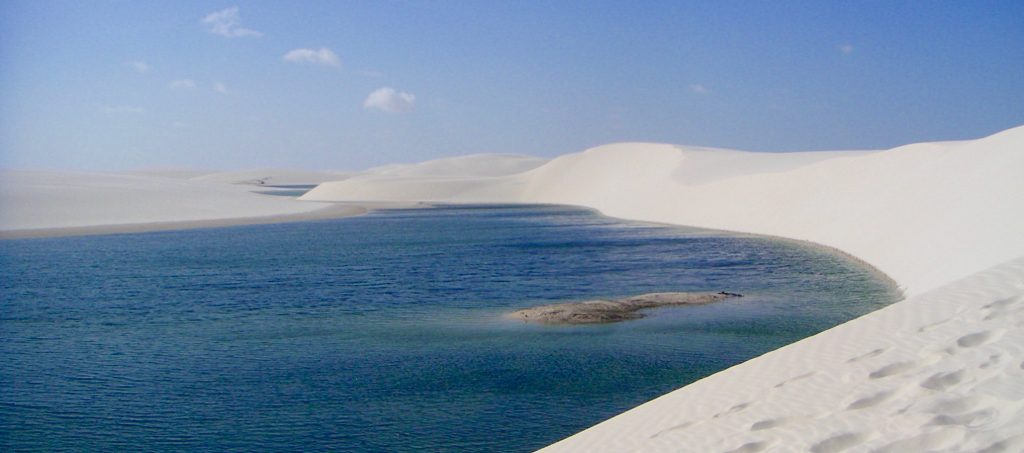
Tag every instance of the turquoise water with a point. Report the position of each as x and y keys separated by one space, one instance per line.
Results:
x=383 y=332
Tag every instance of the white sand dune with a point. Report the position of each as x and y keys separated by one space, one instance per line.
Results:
x=480 y=176
x=943 y=369
x=32 y=200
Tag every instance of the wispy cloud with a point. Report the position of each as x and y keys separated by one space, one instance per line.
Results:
x=138 y=66
x=846 y=49
x=371 y=74
x=697 y=88
x=122 y=109
x=182 y=84
x=388 y=100
x=324 y=56
x=227 y=23
x=220 y=88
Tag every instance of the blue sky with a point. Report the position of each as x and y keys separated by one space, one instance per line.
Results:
x=110 y=85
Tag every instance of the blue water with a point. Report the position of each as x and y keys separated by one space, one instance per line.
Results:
x=383 y=332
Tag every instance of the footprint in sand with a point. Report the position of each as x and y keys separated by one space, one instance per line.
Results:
x=1003 y=308
x=733 y=410
x=893 y=369
x=932 y=325
x=768 y=424
x=978 y=338
x=957 y=405
x=868 y=355
x=999 y=314
x=972 y=420
x=839 y=443
x=794 y=379
x=1005 y=303
x=678 y=427
x=945 y=380
x=993 y=360
x=750 y=447
x=871 y=400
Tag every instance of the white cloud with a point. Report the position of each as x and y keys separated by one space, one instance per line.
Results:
x=123 y=109
x=139 y=66
x=391 y=101
x=220 y=88
x=182 y=84
x=227 y=23
x=697 y=88
x=323 y=56
x=846 y=49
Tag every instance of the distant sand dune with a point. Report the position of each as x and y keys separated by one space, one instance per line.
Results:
x=60 y=203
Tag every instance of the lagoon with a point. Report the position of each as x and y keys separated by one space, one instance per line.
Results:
x=385 y=332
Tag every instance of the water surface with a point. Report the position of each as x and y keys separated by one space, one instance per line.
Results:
x=383 y=332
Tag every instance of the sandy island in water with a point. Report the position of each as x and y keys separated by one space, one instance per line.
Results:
x=612 y=310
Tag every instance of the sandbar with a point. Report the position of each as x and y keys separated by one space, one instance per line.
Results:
x=604 y=311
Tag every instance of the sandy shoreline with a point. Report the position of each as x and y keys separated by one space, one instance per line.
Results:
x=332 y=211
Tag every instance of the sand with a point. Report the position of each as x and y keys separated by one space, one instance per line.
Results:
x=941 y=370
x=41 y=204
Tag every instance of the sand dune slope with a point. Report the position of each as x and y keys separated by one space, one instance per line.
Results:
x=478 y=177
x=942 y=370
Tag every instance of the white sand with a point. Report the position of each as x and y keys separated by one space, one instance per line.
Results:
x=61 y=201
x=943 y=369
